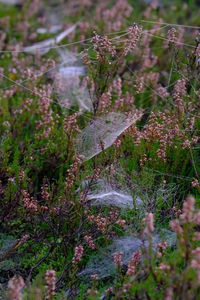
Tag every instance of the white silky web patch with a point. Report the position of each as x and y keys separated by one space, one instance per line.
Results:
x=11 y=2
x=68 y=85
x=113 y=188
x=54 y=17
x=102 y=263
x=102 y=132
x=44 y=46
x=106 y=193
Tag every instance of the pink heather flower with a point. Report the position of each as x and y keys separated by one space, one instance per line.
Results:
x=90 y=241
x=191 y=123
x=164 y=267
x=24 y=238
x=15 y=285
x=102 y=44
x=117 y=143
x=195 y=263
x=101 y=222
x=44 y=192
x=133 y=263
x=134 y=34
x=196 y=218
x=120 y=222
x=11 y=179
x=92 y=292
x=1 y=74
x=186 y=144
x=169 y=294
x=72 y=172
x=188 y=209
x=176 y=227
x=171 y=35
x=109 y=290
x=196 y=236
x=70 y=122
x=29 y=203
x=139 y=85
x=161 y=153
x=195 y=139
x=21 y=176
x=117 y=86
x=94 y=277
x=162 y=91
x=196 y=253
x=6 y=123
x=95 y=175
x=105 y=100
x=114 y=17
x=50 y=278
x=126 y=287
x=197 y=51
x=179 y=89
x=117 y=258
x=149 y=223
x=161 y=248
x=195 y=183
x=78 y=254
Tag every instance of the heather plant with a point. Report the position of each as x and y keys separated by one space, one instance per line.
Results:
x=154 y=272
x=99 y=127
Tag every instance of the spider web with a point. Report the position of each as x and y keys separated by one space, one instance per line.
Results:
x=68 y=83
x=101 y=133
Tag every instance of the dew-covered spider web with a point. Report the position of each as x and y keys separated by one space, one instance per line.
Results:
x=102 y=132
x=68 y=83
x=105 y=193
x=102 y=263
x=113 y=187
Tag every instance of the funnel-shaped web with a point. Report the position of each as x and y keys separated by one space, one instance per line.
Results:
x=106 y=193
x=102 y=263
x=68 y=84
x=102 y=132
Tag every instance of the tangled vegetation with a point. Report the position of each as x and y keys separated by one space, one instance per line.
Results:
x=99 y=150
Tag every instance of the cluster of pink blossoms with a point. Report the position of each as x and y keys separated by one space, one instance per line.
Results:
x=45 y=112
x=113 y=17
x=15 y=285
x=70 y=123
x=135 y=260
x=195 y=183
x=102 y=45
x=149 y=224
x=117 y=258
x=171 y=35
x=134 y=34
x=50 y=278
x=160 y=248
x=101 y=222
x=72 y=172
x=90 y=241
x=78 y=254
x=195 y=263
x=29 y=203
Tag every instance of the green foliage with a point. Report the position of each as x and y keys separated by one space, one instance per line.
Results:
x=37 y=153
